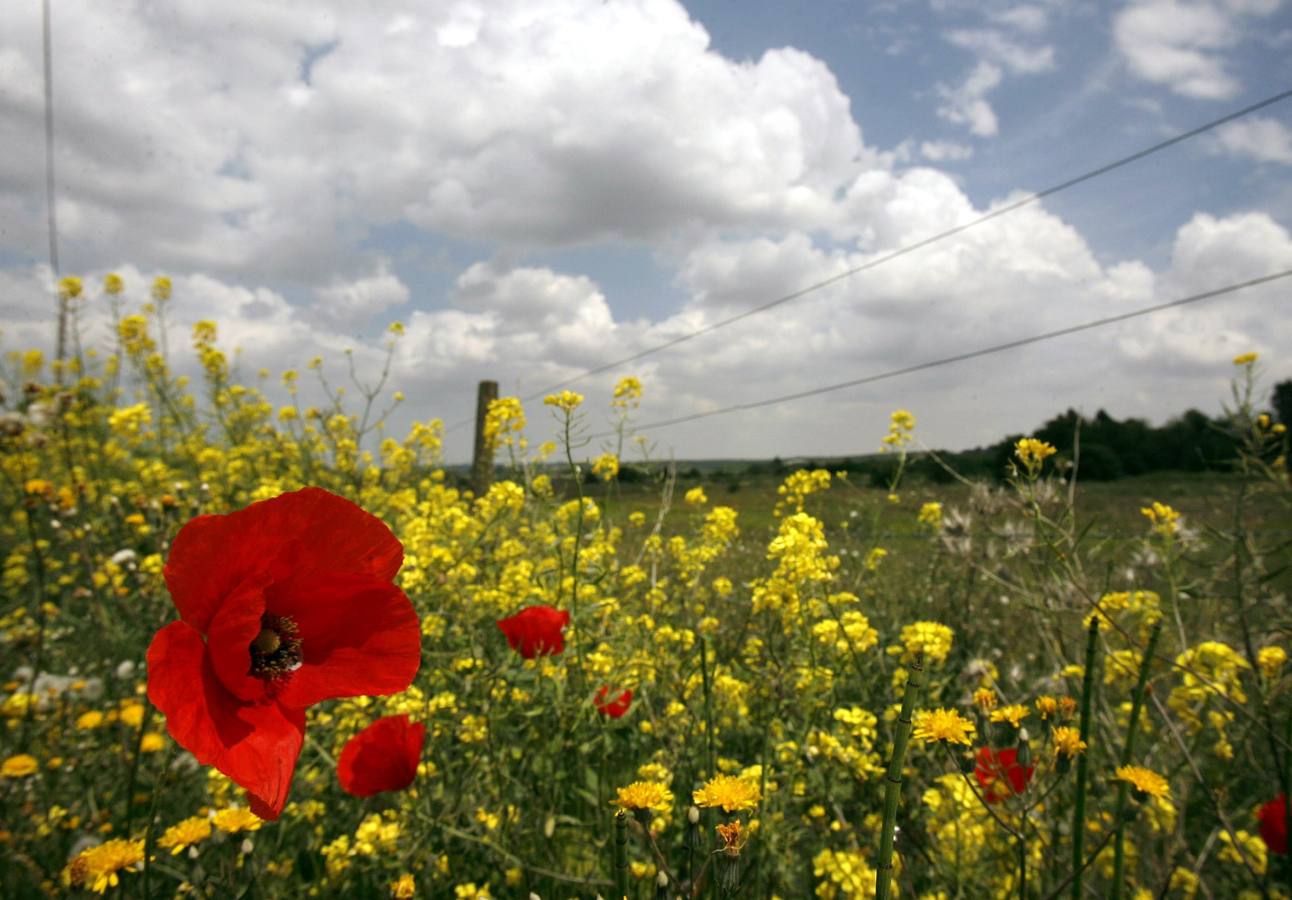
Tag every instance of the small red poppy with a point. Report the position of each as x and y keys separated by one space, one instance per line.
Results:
x=1000 y=774
x=1274 y=824
x=536 y=630
x=382 y=757
x=612 y=708
x=282 y=604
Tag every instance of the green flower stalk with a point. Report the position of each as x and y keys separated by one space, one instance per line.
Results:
x=893 y=781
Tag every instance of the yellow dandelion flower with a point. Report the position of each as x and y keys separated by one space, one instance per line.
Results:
x=644 y=795
x=19 y=766
x=933 y=725
x=733 y=837
x=1144 y=781
x=985 y=699
x=731 y=793
x=96 y=868
x=403 y=887
x=1068 y=742
x=1047 y=707
x=185 y=834
x=89 y=720
x=1014 y=714
x=237 y=818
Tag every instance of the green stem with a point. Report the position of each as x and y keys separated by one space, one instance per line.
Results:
x=621 y=855
x=893 y=785
x=708 y=704
x=1123 y=788
x=1083 y=760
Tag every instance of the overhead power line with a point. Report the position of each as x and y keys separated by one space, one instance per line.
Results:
x=960 y=357
x=912 y=247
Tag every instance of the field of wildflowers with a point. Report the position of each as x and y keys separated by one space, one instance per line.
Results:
x=273 y=651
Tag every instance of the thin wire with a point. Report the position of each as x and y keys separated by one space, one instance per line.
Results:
x=911 y=248
x=961 y=357
x=49 y=176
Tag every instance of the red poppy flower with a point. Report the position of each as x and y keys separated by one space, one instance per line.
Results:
x=536 y=630
x=612 y=708
x=1274 y=824
x=382 y=757
x=1000 y=774
x=282 y=604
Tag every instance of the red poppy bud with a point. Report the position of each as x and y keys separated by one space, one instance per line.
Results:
x=612 y=708
x=536 y=630
x=282 y=604
x=1000 y=775
x=1274 y=824
x=382 y=757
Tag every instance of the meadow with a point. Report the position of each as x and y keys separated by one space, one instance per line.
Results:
x=567 y=686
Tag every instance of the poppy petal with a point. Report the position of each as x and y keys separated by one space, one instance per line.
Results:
x=255 y=744
x=382 y=757
x=536 y=630
x=228 y=641
x=309 y=530
x=358 y=636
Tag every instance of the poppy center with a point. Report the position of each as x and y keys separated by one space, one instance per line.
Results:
x=276 y=650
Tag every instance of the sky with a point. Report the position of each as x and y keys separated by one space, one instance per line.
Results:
x=535 y=188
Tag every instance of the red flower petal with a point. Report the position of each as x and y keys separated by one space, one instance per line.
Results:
x=1274 y=824
x=382 y=757
x=1000 y=775
x=536 y=630
x=255 y=744
x=301 y=532
x=612 y=708
x=358 y=636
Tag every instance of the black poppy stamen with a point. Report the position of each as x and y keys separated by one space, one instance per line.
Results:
x=276 y=650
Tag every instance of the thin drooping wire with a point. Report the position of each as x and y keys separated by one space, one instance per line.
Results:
x=49 y=175
x=961 y=357
x=911 y=248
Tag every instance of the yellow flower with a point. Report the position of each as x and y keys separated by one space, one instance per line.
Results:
x=731 y=793
x=644 y=795
x=1014 y=714
x=606 y=466
x=89 y=720
x=1144 y=781
x=185 y=834
x=933 y=725
x=237 y=818
x=696 y=497
x=161 y=288
x=112 y=284
x=1243 y=359
x=1068 y=742
x=403 y=887
x=930 y=514
x=1271 y=660
x=1164 y=519
x=19 y=766
x=38 y=487
x=566 y=400
x=628 y=392
x=1047 y=706
x=69 y=287
x=152 y=742
x=96 y=868
x=396 y=328
x=985 y=699
x=933 y=639
x=1033 y=453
